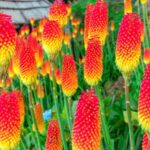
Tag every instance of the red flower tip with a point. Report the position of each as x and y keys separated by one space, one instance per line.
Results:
x=28 y=70
x=52 y=37
x=7 y=40
x=69 y=76
x=128 y=48
x=98 y=26
x=146 y=57
x=127 y=6
x=144 y=101
x=20 y=44
x=93 y=67
x=21 y=104
x=59 y=12
x=88 y=13
x=38 y=112
x=145 y=142
x=86 y=129
x=53 y=140
x=9 y=121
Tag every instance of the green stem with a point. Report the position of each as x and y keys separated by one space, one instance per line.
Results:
x=132 y=143
x=55 y=98
x=23 y=142
x=105 y=129
x=138 y=6
x=70 y=108
x=32 y=133
x=33 y=117
x=68 y=114
x=45 y=89
x=145 y=27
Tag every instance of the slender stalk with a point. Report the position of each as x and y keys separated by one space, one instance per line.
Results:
x=45 y=89
x=70 y=108
x=55 y=98
x=138 y=6
x=33 y=117
x=145 y=27
x=132 y=143
x=23 y=142
x=105 y=129
x=32 y=133
x=68 y=114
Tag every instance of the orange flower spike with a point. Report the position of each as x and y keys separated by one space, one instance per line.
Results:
x=28 y=70
x=32 y=21
x=38 y=112
x=127 y=6
x=75 y=22
x=98 y=26
x=75 y=30
x=9 y=121
x=39 y=56
x=58 y=76
x=44 y=69
x=145 y=142
x=146 y=56
x=68 y=7
x=52 y=37
x=128 y=47
x=40 y=91
x=34 y=32
x=25 y=30
x=8 y=82
x=71 y=16
x=21 y=105
x=81 y=31
x=112 y=26
x=93 y=67
x=144 y=101
x=42 y=24
x=88 y=13
x=86 y=129
x=74 y=35
x=67 y=39
x=7 y=40
x=69 y=76
x=20 y=42
x=53 y=140
x=11 y=73
x=1 y=83
x=48 y=67
x=58 y=11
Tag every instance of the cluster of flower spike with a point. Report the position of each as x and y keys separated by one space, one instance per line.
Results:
x=11 y=118
x=93 y=67
x=69 y=76
x=128 y=47
x=96 y=22
x=53 y=141
x=59 y=11
x=95 y=32
x=7 y=41
x=127 y=6
x=86 y=129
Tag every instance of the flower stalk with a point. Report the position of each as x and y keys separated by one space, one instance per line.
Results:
x=132 y=143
